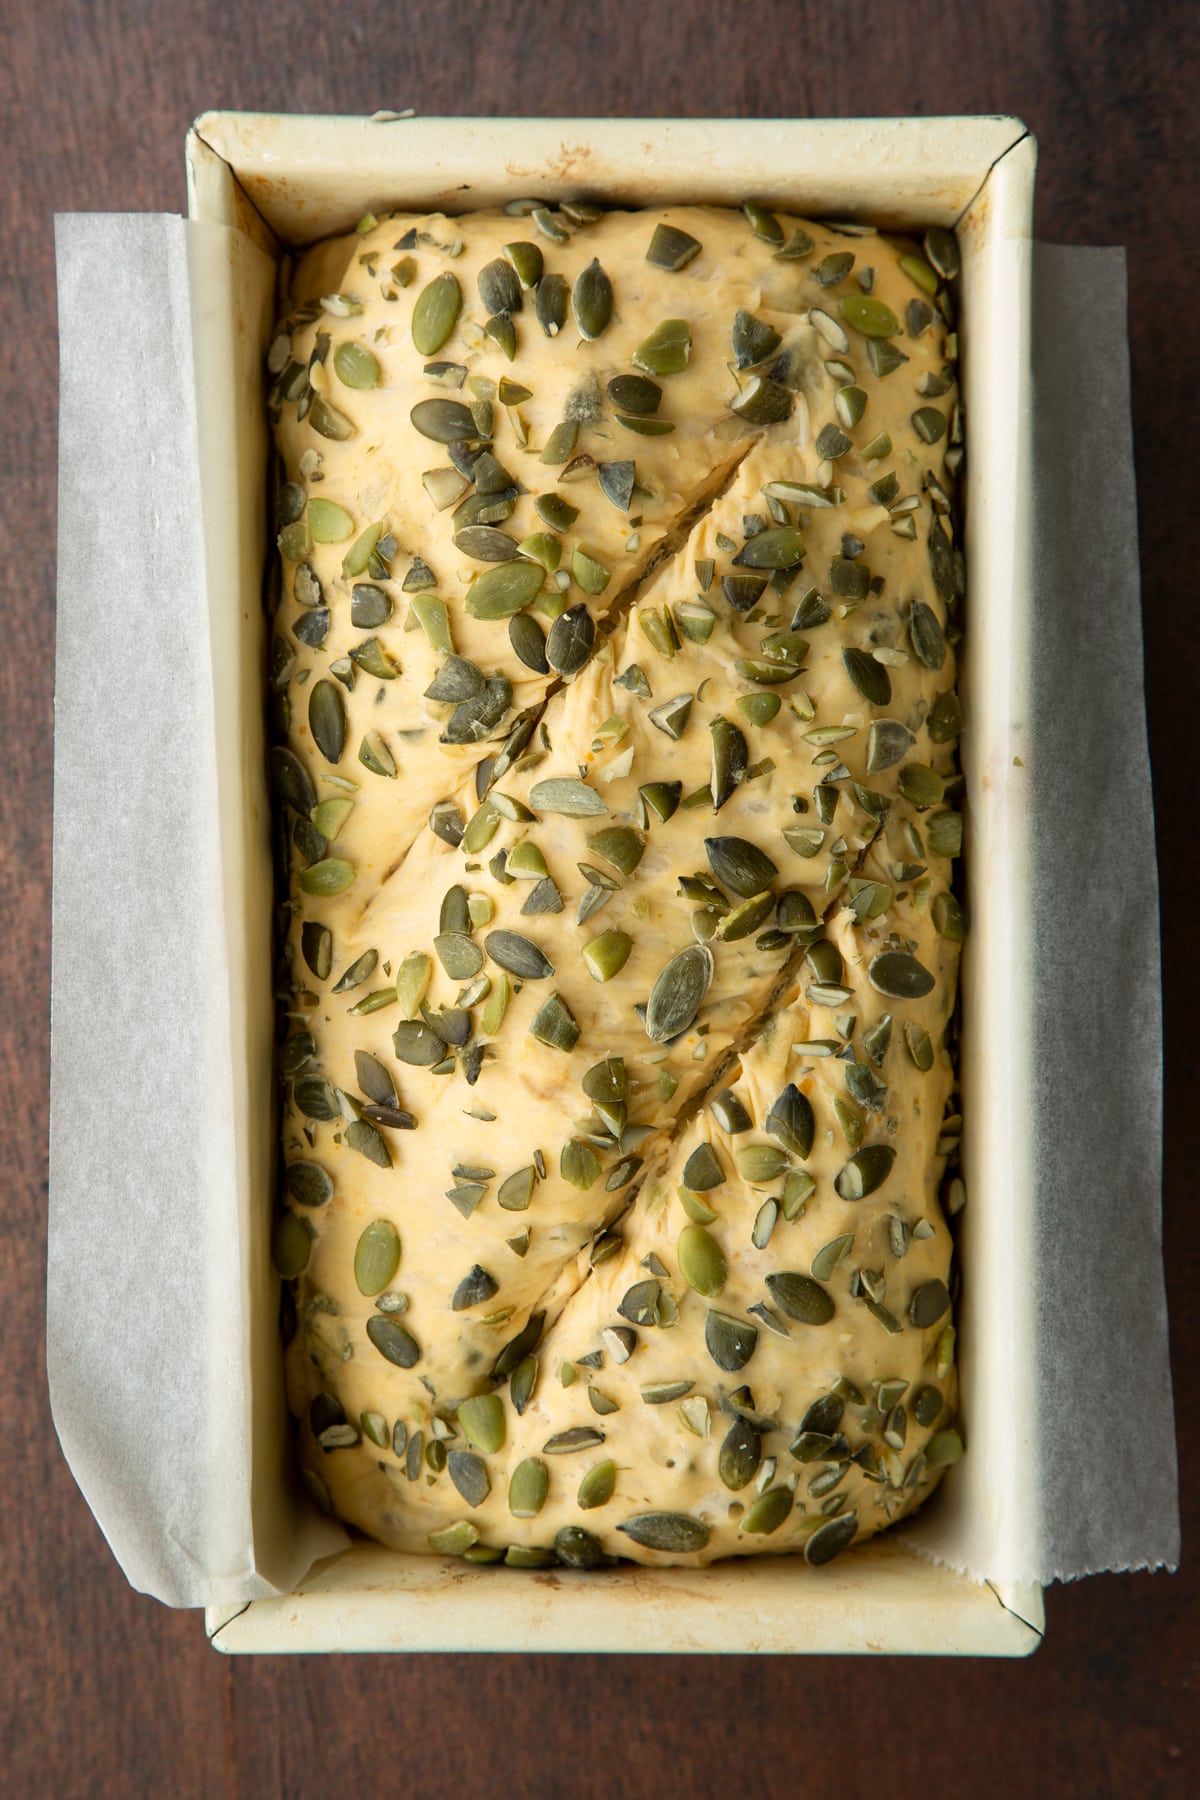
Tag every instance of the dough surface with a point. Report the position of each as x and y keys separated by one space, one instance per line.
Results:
x=675 y=1237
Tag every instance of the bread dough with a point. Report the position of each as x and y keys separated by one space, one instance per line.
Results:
x=846 y=791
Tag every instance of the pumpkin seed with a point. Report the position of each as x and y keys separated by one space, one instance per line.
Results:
x=701 y=1262
x=730 y=1342
x=869 y=677
x=591 y=575
x=550 y=304
x=760 y=1163
x=475 y=1287
x=672 y=249
x=504 y=590
x=740 y=865
x=829 y=1540
x=944 y=1448
x=528 y=262
x=800 y=1297
x=333 y=875
x=762 y=402
x=592 y=300
x=928 y=1304
x=290 y=1246
x=376 y=1256
x=926 y=635
x=634 y=394
x=417 y=1044
x=527 y=1488
x=791 y=1121
x=702 y=1171
x=607 y=955
x=499 y=288
x=753 y=341
x=445 y=421
x=948 y=918
x=921 y=785
x=888 y=742
x=768 y=1512
x=484 y=543
x=762 y=222
x=865 y=1171
x=555 y=1025
x=435 y=316
x=469 y=1474
x=571 y=641
x=673 y=1533
x=327 y=720
x=666 y=350
x=740 y=1456
x=458 y=954
x=519 y=955
x=899 y=975
x=482 y=1419
x=577 y=1437
x=941 y=247
x=678 y=992
x=871 y=317
x=355 y=366
x=566 y=795
x=308 y=1184
x=394 y=1342
x=597 y=1487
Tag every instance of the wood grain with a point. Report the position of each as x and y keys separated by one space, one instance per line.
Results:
x=106 y=1693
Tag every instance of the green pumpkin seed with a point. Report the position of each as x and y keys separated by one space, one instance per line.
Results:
x=762 y=222
x=499 y=288
x=607 y=955
x=634 y=394
x=572 y=798
x=791 y=1120
x=666 y=350
x=929 y=1303
x=763 y=402
x=555 y=1025
x=739 y=865
x=327 y=720
x=798 y=246
x=577 y=1437
x=887 y=744
x=579 y=1165
x=454 y=1540
x=330 y=422
x=290 y=1245
x=829 y=1540
x=435 y=316
x=760 y=1163
x=701 y=1262
x=469 y=1474
x=308 y=1184
x=393 y=1341
x=504 y=590
x=598 y=1486
x=899 y=975
x=753 y=341
x=922 y=786
x=484 y=543
x=417 y=1044
x=672 y=249
x=673 y=1533
x=328 y=522
x=373 y=1078
x=730 y=760
x=943 y=1449
x=871 y=317
x=740 y=1456
x=730 y=1342
x=869 y=677
x=941 y=247
x=865 y=1171
x=519 y=955
x=646 y=427
x=944 y=833
x=678 y=993
x=445 y=421
x=702 y=1171
x=926 y=635
x=333 y=875
x=949 y=919
x=571 y=641
x=929 y=424
x=591 y=575
x=376 y=1257
x=362 y=1136
x=800 y=1297
x=592 y=300
x=527 y=1488
x=759 y=709
x=768 y=1512
x=482 y=1419
x=550 y=304
x=355 y=366
x=458 y=954
x=528 y=262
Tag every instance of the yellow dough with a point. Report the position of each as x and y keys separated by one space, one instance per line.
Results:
x=655 y=1265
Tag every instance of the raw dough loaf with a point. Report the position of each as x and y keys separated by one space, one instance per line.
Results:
x=674 y=1237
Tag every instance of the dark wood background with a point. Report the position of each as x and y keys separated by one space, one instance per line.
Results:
x=103 y=1692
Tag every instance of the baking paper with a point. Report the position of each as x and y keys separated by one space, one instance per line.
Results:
x=151 y=1333
x=163 y=1393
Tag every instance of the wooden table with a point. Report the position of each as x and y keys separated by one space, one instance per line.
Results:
x=104 y=1692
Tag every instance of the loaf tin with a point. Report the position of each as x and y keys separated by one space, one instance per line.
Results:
x=283 y=182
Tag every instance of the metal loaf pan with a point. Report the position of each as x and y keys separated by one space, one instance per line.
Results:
x=286 y=181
